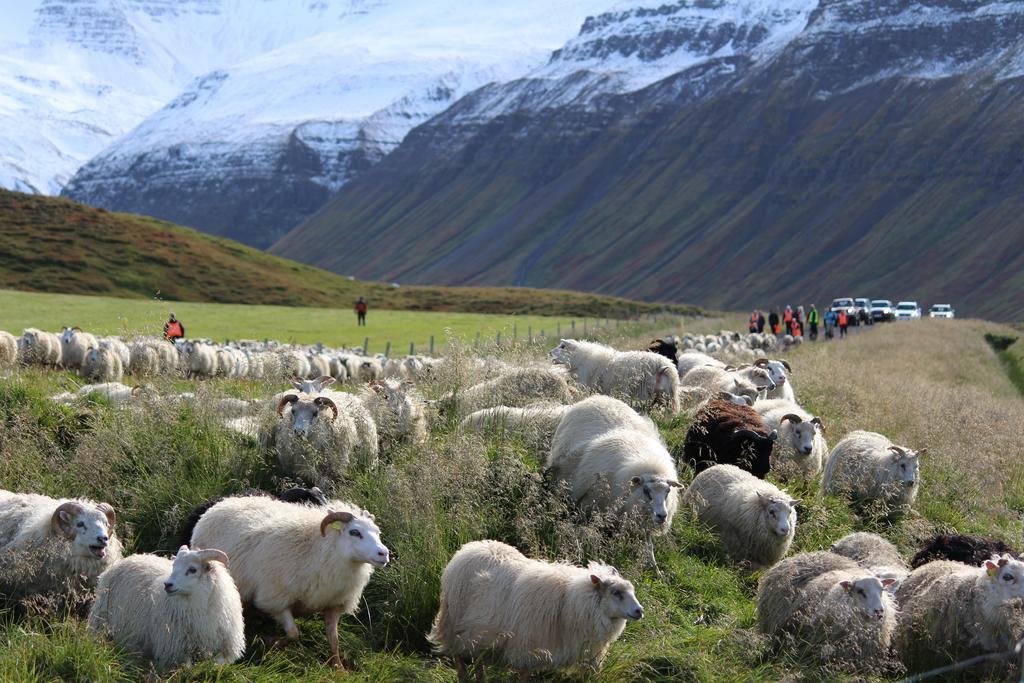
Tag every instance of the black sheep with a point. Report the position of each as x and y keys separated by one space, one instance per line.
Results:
x=664 y=347
x=724 y=433
x=296 y=494
x=971 y=550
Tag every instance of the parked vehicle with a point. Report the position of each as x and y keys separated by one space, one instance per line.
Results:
x=846 y=304
x=863 y=307
x=907 y=310
x=881 y=310
x=941 y=311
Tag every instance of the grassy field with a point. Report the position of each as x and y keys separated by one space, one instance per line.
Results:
x=53 y=244
x=333 y=327
x=934 y=384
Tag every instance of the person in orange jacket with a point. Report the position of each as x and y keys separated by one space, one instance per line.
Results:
x=173 y=329
x=844 y=321
x=787 y=319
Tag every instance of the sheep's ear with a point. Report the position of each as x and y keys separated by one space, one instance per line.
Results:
x=991 y=567
x=325 y=381
x=674 y=484
x=817 y=421
x=182 y=550
x=794 y=502
x=369 y=515
x=917 y=455
x=636 y=481
x=888 y=582
x=846 y=585
x=595 y=580
x=296 y=382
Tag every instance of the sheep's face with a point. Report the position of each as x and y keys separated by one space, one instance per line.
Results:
x=67 y=335
x=190 y=571
x=562 y=354
x=745 y=389
x=617 y=595
x=777 y=371
x=800 y=435
x=311 y=386
x=358 y=539
x=736 y=398
x=653 y=494
x=305 y=415
x=760 y=378
x=87 y=527
x=868 y=596
x=904 y=467
x=395 y=396
x=1007 y=576
x=778 y=514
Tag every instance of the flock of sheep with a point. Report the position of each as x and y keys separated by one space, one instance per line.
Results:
x=859 y=603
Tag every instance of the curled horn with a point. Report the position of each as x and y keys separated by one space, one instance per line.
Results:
x=786 y=365
x=77 y=328
x=920 y=452
x=744 y=366
x=289 y=398
x=332 y=517
x=795 y=419
x=71 y=508
x=761 y=362
x=747 y=433
x=897 y=450
x=324 y=401
x=213 y=555
x=108 y=510
x=728 y=368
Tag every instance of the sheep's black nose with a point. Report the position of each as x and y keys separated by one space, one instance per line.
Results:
x=168 y=587
x=103 y=539
x=659 y=518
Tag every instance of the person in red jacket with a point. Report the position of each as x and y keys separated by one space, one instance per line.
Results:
x=173 y=329
x=361 y=312
x=844 y=321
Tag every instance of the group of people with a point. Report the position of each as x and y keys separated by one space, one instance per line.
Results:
x=795 y=321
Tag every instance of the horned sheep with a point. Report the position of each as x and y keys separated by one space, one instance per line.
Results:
x=867 y=468
x=532 y=615
x=640 y=377
x=54 y=546
x=289 y=559
x=725 y=433
x=173 y=612
x=801 y=447
x=311 y=443
x=755 y=521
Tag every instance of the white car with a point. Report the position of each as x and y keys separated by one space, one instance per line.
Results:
x=941 y=311
x=907 y=310
x=881 y=310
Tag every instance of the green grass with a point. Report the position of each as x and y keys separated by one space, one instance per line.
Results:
x=1011 y=353
x=154 y=464
x=333 y=327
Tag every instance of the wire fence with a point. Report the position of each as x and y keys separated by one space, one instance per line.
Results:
x=1016 y=651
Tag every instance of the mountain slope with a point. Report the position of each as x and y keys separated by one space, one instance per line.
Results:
x=56 y=245
x=875 y=153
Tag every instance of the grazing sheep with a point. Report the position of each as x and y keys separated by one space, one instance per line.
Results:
x=50 y=546
x=365 y=369
x=74 y=344
x=170 y=358
x=952 y=611
x=101 y=365
x=172 y=612
x=779 y=370
x=289 y=559
x=874 y=553
x=118 y=347
x=713 y=380
x=536 y=423
x=36 y=347
x=396 y=408
x=199 y=360
x=641 y=377
x=614 y=460
x=725 y=433
x=867 y=468
x=297 y=495
x=115 y=392
x=517 y=388
x=8 y=349
x=664 y=347
x=970 y=550
x=754 y=520
x=144 y=359
x=688 y=360
x=311 y=443
x=531 y=615
x=801 y=447
x=829 y=607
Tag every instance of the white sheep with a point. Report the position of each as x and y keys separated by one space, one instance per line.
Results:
x=954 y=611
x=779 y=371
x=74 y=344
x=143 y=359
x=199 y=359
x=396 y=408
x=36 y=347
x=101 y=365
x=836 y=610
x=801 y=447
x=614 y=461
x=289 y=559
x=532 y=615
x=8 y=349
x=173 y=612
x=517 y=388
x=876 y=554
x=115 y=392
x=314 y=440
x=755 y=521
x=714 y=380
x=535 y=424
x=54 y=546
x=867 y=468
x=118 y=347
x=641 y=377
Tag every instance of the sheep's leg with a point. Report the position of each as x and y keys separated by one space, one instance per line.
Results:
x=460 y=665
x=331 y=617
x=287 y=622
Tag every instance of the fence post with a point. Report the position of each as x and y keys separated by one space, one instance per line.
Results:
x=529 y=333
x=515 y=333
x=497 y=339
x=431 y=345
x=412 y=348
x=558 y=329
x=584 y=326
x=476 y=344
x=319 y=347
x=574 y=327
x=387 y=349
x=366 y=345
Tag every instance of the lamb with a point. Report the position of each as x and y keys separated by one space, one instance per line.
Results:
x=8 y=349
x=867 y=468
x=54 y=546
x=518 y=388
x=396 y=408
x=614 y=460
x=779 y=371
x=834 y=609
x=311 y=446
x=725 y=433
x=801 y=448
x=36 y=347
x=970 y=550
x=953 y=611
x=74 y=344
x=874 y=553
x=101 y=365
x=754 y=520
x=641 y=377
x=295 y=558
x=532 y=615
x=172 y=612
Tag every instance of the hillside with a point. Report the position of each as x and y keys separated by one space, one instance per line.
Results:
x=56 y=245
x=875 y=154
